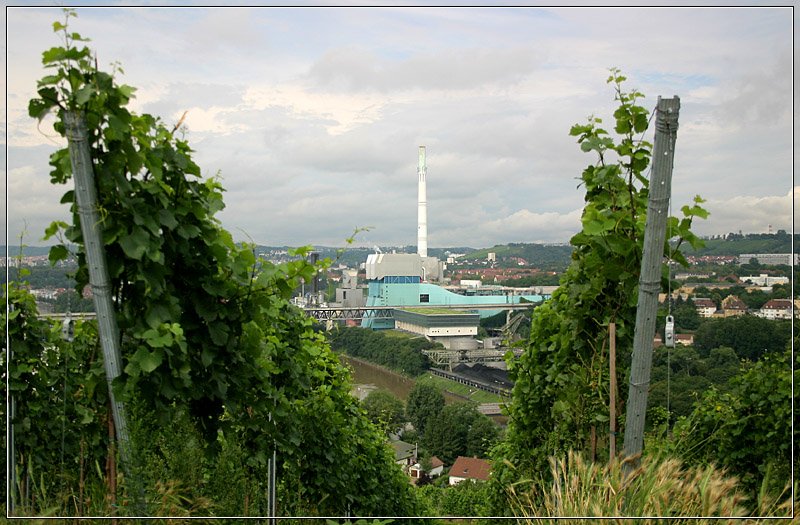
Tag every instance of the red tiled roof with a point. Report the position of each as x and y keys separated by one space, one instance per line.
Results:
x=704 y=303
x=436 y=462
x=733 y=303
x=777 y=304
x=471 y=468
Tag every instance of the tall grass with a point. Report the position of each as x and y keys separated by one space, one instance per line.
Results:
x=657 y=488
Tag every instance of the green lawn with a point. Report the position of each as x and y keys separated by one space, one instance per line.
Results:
x=479 y=396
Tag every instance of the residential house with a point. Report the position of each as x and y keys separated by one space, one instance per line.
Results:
x=437 y=467
x=416 y=471
x=733 y=306
x=472 y=468
x=684 y=339
x=405 y=454
x=705 y=307
x=776 y=309
x=770 y=259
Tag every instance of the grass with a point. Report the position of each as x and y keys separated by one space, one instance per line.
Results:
x=397 y=334
x=657 y=487
x=461 y=390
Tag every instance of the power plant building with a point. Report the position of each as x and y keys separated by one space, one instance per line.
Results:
x=406 y=280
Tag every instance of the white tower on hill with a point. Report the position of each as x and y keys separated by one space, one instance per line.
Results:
x=422 y=207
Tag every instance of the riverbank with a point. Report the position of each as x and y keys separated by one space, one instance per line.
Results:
x=366 y=373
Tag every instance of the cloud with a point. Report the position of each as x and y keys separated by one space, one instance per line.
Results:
x=355 y=69
x=749 y=213
x=33 y=203
x=758 y=97
x=520 y=226
x=313 y=117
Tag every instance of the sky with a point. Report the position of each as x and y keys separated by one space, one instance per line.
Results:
x=313 y=116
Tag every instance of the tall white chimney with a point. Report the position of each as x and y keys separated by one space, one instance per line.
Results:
x=422 y=207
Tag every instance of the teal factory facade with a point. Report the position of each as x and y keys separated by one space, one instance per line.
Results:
x=409 y=291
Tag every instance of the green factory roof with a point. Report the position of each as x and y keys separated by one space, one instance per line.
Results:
x=437 y=311
x=445 y=317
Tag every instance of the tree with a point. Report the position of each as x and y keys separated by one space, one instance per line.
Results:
x=424 y=402
x=384 y=410
x=481 y=437
x=686 y=316
x=460 y=430
x=561 y=381
x=446 y=434
x=748 y=335
x=403 y=355
x=723 y=364
x=746 y=430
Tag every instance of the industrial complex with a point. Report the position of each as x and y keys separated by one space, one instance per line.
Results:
x=422 y=301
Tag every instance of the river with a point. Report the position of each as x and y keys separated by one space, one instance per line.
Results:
x=368 y=377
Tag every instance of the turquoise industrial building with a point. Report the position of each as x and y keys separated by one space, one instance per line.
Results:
x=408 y=280
x=401 y=280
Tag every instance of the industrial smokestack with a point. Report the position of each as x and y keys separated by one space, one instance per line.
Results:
x=422 y=207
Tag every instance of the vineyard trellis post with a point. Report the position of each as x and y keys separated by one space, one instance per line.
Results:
x=667 y=111
x=86 y=201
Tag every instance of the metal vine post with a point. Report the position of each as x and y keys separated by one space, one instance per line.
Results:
x=667 y=111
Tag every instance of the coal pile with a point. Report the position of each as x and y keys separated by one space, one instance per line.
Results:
x=485 y=374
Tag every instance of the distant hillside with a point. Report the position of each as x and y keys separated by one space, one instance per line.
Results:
x=354 y=256
x=547 y=257
x=555 y=257
x=27 y=251
x=736 y=244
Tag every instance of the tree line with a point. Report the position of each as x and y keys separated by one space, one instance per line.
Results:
x=401 y=354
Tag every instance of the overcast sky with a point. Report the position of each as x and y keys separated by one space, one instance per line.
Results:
x=313 y=116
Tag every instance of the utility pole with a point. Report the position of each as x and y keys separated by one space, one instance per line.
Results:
x=612 y=403
x=650 y=276
x=86 y=200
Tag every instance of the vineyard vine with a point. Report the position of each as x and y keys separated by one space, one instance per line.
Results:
x=560 y=397
x=207 y=328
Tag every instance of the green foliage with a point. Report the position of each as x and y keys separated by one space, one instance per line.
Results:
x=402 y=355
x=483 y=434
x=751 y=337
x=531 y=281
x=682 y=375
x=384 y=410
x=207 y=329
x=60 y=399
x=747 y=429
x=424 y=403
x=47 y=277
x=735 y=244
x=459 y=430
x=465 y=499
x=561 y=380
x=686 y=316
